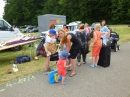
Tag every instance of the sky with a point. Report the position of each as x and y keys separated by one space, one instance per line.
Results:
x=2 y=4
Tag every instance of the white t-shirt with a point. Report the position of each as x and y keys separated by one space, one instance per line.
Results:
x=48 y=39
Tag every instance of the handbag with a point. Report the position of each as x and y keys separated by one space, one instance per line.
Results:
x=53 y=76
x=54 y=57
x=42 y=51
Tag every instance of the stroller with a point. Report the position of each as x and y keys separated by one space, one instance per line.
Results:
x=114 y=38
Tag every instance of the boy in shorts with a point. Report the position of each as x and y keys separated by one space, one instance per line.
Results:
x=62 y=65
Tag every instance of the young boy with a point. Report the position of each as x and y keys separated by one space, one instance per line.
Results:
x=62 y=65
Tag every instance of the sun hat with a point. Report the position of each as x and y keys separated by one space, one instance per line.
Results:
x=64 y=54
x=52 y=31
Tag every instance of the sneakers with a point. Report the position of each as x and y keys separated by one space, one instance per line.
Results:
x=91 y=66
x=95 y=65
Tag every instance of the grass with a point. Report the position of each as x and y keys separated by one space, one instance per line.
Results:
x=36 y=66
x=25 y=68
x=123 y=31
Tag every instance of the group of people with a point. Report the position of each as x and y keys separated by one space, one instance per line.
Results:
x=72 y=46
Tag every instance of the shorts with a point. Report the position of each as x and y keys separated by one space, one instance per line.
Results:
x=62 y=72
x=74 y=51
x=96 y=51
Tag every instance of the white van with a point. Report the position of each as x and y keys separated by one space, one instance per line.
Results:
x=7 y=32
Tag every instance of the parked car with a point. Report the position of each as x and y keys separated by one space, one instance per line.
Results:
x=34 y=30
x=7 y=32
x=28 y=29
x=58 y=27
x=92 y=28
x=93 y=24
x=21 y=27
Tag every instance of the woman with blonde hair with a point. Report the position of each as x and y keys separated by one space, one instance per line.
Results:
x=67 y=39
x=97 y=44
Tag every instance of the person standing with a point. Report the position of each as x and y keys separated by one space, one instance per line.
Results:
x=73 y=48
x=88 y=30
x=51 y=26
x=47 y=45
x=104 y=28
x=83 y=37
x=62 y=65
x=65 y=28
x=96 y=45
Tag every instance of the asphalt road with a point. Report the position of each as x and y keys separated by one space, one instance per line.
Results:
x=113 y=81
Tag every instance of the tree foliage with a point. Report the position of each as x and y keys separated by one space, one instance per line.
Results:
x=21 y=12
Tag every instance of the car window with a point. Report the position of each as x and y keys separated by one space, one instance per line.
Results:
x=1 y=25
x=4 y=26
x=58 y=28
x=72 y=28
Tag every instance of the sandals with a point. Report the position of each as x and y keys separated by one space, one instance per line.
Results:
x=69 y=69
x=64 y=83
x=71 y=75
x=79 y=64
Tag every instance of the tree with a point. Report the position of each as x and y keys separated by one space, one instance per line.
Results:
x=27 y=11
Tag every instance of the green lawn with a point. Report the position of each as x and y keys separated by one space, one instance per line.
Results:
x=38 y=65
x=24 y=68
x=123 y=31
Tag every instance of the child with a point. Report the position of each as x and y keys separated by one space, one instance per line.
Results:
x=62 y=65
x=97 y=44
x=52 y=44
x=49 y=51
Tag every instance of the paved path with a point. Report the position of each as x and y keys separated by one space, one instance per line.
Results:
x=113 y=81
